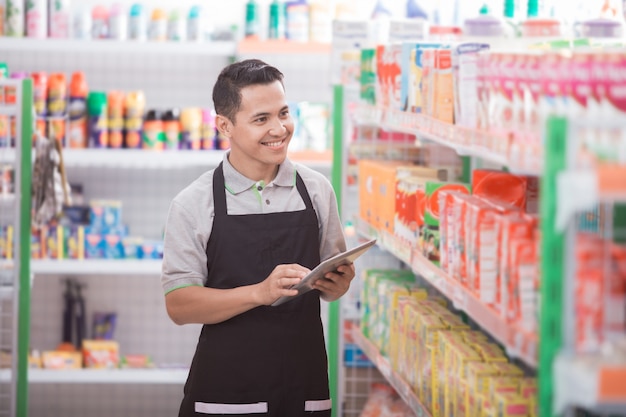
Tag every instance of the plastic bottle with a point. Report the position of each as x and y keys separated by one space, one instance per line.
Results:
x=171 y=129
x=99 y=22
x=81 y=23
x=118 y=25
x=78 y=131
x=157 y=26
x=115 y=113
x=175 y=26
x=14 y=23
x=37 y=19
x=153 y=135
x=190 y=124
x=134 y=107
x=207 y=129
x=137 y=24
x=59 y=19
x=297 y=21
x=195 y=26
x=40 y=100
x=97 y=115
x=57 y=107
x=252 y=19
x=276 y=28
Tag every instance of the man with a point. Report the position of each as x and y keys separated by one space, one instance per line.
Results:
x=236 y=240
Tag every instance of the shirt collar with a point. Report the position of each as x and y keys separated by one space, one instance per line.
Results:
x=237 y=182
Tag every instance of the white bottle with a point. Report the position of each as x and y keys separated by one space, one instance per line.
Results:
x=14 y=18
x=118 y=25
x=37 y=19
x=59 y=22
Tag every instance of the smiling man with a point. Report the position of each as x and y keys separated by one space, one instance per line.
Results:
x=236 y=240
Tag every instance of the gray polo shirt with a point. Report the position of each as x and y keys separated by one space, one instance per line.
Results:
x=191 y=213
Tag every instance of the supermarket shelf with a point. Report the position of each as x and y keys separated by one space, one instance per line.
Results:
x=102 y=376
x=167 y=159
x=592 y=382
x=96 y=267
x=495 y=148
x=140 y=159
x=282 y=47
x=7 y=199
x=8 y=110
x=382 y=363
x=519 y=344
x=118 y=47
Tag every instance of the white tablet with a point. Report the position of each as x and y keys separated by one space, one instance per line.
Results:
x=325 y=267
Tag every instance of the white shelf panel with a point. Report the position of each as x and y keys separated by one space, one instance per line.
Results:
x=102 y=376
x=96 y=267
x=96 y=47
x=8 y=110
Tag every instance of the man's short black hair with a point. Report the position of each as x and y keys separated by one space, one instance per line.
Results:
x=235 y=77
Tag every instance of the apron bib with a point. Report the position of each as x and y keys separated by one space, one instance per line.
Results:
x=269 y=360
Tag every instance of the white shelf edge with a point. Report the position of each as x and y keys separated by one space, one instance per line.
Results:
x=102 y=376
x=96 y=267
x=138 y=158
x=220 y=48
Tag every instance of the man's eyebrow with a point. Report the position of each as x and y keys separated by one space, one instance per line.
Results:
x=262 y=114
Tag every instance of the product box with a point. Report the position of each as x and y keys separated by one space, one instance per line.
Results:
x=443 y=99
x=433 y=188
x=509 y=404
x=368 y=76
x=56 y=359
x=500 y=186
x=523 y=294
x=101 y=354
x=106 y=214
x=6 y=242
x=388 y=70
x=53 y=241
x=477 y=376
x=74 y=242
x=411 y=76
x=482 y=251
x=465 y=80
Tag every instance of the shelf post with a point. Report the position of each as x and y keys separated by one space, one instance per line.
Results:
x=552 y=263
x=334 y=307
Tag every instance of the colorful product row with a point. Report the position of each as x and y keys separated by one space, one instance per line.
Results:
x=452 y=369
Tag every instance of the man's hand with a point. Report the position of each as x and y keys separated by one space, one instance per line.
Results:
x=335 y=284
x=277 y=284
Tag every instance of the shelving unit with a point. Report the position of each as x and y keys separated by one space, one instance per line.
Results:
x=103 y=376
x=592 y=382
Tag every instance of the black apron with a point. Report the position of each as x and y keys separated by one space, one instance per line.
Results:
x=269 y=360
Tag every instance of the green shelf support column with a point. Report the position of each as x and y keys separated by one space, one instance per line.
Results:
x=334 y=316
x=23 y=330
x=552 y=263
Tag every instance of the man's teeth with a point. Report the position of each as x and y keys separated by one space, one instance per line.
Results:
x=273 y=143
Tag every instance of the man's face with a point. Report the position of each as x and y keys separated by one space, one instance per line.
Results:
x=262 y=130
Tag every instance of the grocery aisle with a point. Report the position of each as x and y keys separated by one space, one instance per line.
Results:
x=480 y=142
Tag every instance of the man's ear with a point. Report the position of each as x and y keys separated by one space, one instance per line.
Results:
x=223 y=125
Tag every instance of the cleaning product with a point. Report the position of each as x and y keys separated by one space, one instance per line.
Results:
x=277 y=20
x=78 y=111
x=171 y=128
x=57 y=107
x=207 y=130
x=190 y=124
x=40 y=98
x=175 y=26
x=37 y=19
x=157 y=26
x=99 y=22
x=137 y=25
x=115 y=115
x=14 y=18
x=195 y=27
x=153 y=135
x=118 y=25
x=134 y=107
x=59 y=19
x=97 y=116
x=252 y=19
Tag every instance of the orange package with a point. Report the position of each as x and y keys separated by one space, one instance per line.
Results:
x=501 y=186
